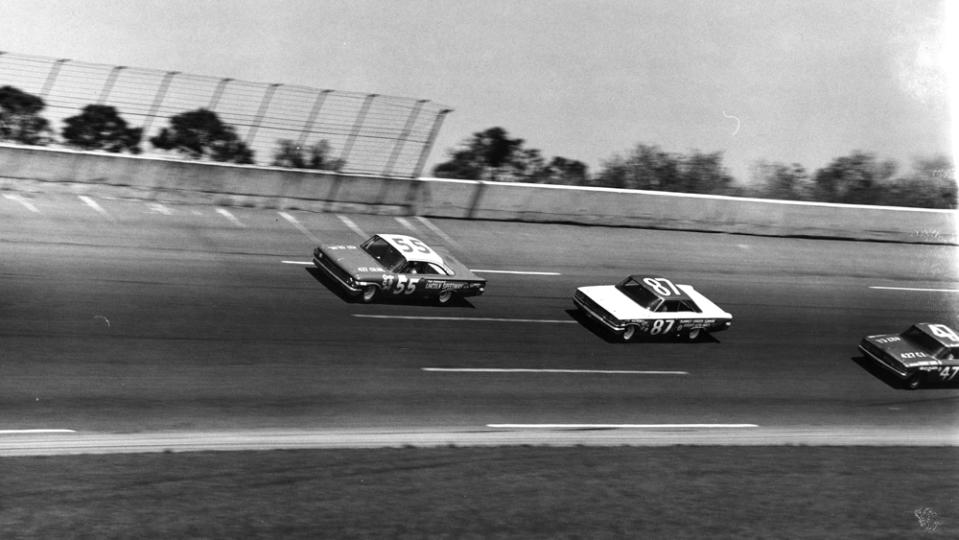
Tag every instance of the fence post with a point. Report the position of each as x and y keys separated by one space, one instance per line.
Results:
x=52 y=76
x=360 y=118
x=428 y=145
x=308 y=127
x=108 y=84
x=404 y=135
x=157 y=101
x=264 y=105
x=218 y=93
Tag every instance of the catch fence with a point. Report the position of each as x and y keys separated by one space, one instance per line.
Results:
x=369 y=133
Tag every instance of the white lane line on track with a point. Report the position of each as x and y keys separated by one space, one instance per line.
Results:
x=621 y=426
x=158 y=208
x=353 y=226
x=299 y=226
x=406 y=224
x=96 y=206
x=518 y=272
x=230 y=217
x=571 y=371
x=467 y=319
x=19 y=199
x=33 y=431
x=913 y=289
x=439 y=232
x=305 y=263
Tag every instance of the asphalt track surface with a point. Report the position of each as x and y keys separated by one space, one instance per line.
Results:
x=139 y=326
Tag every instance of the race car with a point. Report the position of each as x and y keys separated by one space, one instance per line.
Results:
x=925 y=354
x=652 y=306
x=397 y=265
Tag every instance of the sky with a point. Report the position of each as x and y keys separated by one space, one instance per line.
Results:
x=798 y=81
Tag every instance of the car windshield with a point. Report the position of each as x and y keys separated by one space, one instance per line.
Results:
x=638 y=293
x=380 y=250
x=928 y=343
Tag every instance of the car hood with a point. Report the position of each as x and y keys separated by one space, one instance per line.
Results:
x=615 y=302
x=904 y=352
x=353 y=259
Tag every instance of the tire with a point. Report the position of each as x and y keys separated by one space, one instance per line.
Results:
x=444 y=297
x=913 y=381
x=694 y=334
x=369 y=293
x=630 y=332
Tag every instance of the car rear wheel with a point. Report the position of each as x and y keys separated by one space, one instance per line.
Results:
x=629 y=332
x=913 y=381
x=369 y=293
x=445 y=297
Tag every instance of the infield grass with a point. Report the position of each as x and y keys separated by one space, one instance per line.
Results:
x=503 y=492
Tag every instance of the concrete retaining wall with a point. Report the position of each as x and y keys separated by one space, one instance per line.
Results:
x=24 y=167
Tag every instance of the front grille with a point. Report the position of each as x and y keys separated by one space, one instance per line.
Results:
x=880 y=356
x=589 y=305
x=334 y=269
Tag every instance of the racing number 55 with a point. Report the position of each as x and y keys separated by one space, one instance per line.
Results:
x=405 y=285
x=408 y=245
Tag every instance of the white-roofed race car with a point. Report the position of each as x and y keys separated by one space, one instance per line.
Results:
x=926 y=354
x=651 y=306
x=397 y=265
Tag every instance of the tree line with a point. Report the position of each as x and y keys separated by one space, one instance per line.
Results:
x=857 y=178
x=198 y=134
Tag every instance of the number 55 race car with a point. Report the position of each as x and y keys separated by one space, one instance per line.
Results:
x=397 y=265
x=653 y=306
x=925 y=354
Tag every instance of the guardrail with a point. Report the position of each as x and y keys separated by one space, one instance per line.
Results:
x=167 y=179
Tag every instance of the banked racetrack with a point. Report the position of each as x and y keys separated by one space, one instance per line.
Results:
x=130 y=325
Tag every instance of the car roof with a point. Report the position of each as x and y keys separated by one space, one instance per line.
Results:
x=650 y=282
x=412 y=248
x=944 y=335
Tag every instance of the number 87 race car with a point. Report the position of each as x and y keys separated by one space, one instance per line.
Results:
x=397 y=265
x=653 y=306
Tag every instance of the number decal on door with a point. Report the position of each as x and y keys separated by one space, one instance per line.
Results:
x=661 y=326
x=405 y=285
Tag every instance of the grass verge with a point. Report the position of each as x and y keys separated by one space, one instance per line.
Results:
x=503 y=492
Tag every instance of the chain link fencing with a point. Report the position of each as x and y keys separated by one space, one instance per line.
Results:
x=368 y=133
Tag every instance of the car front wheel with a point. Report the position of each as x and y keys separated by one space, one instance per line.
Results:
x=629 y=332
x=913 y=381
x=445 y=297
x=693 y=334
x=369 y=293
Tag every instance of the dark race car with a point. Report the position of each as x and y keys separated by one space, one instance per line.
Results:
x=397 y=265
x=651 y=306
x=926 y=354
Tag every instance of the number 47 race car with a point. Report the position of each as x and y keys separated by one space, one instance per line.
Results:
x=653 y=306
x=924 y=355
x=397 y=265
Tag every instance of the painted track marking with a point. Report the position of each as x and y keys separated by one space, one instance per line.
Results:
x=621 y=426
x=96 y=206
x=305 y=263
x=230 y=217
x=519 y=272
x=157 y=208
x=19 y=199
x=33 y=431
x=353 y=226
x=570 y=371
x=299 y=226
x=439 y=232
x=465 y=319
x=913 y=289
x=406 y=224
